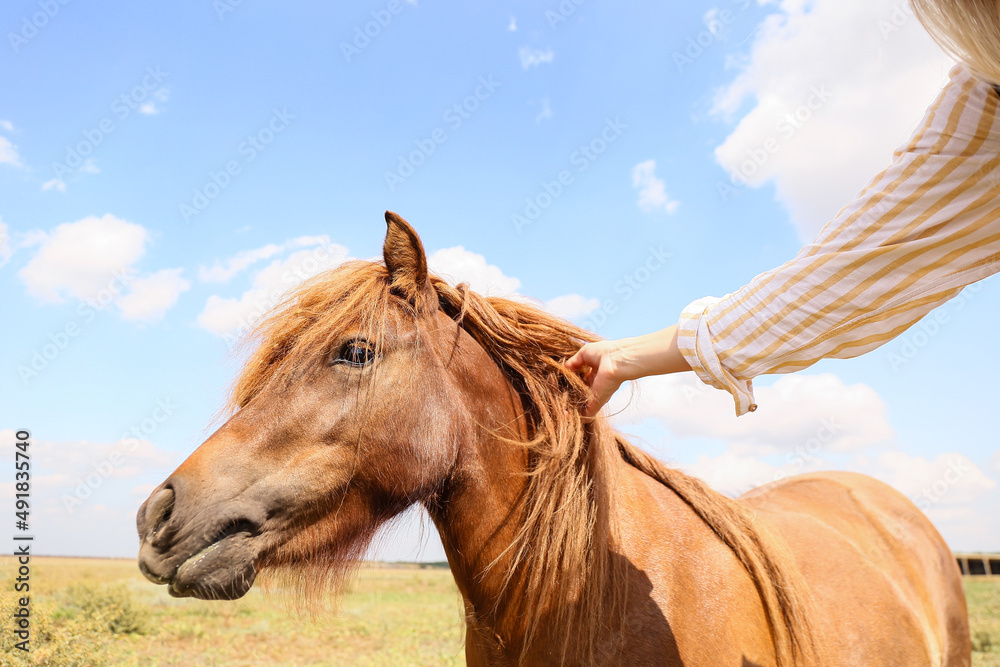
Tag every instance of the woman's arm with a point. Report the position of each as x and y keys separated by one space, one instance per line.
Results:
x=609 y=363
x=923 y=229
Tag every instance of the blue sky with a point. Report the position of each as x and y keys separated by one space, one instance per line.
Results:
x=599 y=160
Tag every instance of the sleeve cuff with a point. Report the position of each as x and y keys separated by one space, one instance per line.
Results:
x=694 y=341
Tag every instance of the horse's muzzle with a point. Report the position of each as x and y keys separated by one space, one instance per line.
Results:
x=211 y=553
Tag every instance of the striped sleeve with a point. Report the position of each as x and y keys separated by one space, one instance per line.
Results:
x=922 y=229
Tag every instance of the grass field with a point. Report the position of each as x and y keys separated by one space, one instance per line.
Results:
x=102 y=612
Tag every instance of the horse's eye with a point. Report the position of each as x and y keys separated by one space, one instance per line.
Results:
x=357 y=353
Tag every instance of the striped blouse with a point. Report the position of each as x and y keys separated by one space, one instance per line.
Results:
x=916 y=235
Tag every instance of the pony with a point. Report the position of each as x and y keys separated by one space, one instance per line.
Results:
x=376 y=386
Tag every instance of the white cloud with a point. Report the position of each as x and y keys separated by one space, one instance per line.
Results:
x=809 y=423
x=460 y=265
x=61 y=466
x=950 y=478
x=545 y=113
x=711 y=20
x=7 y=125
x=84 y=257
x=9 y=154
x=150 y=298
x=230 y=317
x=81 y=498
x=94 y=259
x=794 y=410
x=55 y=184
x=652 y=191
x=11 y=243
x=150 y=107
x=6 y=251
x=867 y=92
x=732 y=473
x=950 y=489
x=572 y=306
x=222 y=270
x=534 y=57
x=89 y=166
x=995 y=462
x=512 y=26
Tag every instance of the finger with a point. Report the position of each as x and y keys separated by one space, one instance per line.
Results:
x=579 y=360
x=575 y=362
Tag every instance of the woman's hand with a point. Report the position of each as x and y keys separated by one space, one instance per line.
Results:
x=601 y=364
x=607 y=364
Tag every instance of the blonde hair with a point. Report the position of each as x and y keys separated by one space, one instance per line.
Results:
x=967 y=29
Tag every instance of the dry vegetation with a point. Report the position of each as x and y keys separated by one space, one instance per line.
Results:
x=102 y=612
x=983 y=596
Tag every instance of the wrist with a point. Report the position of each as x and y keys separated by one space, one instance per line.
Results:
x=652 y=354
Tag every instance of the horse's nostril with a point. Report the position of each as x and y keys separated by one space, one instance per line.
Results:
x=159 y=508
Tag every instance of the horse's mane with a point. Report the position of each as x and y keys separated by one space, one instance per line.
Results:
x=563 y=559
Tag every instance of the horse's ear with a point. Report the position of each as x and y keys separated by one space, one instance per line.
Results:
x=407 y=263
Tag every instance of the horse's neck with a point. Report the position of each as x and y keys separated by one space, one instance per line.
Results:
x=481 y=509
x=478 y=520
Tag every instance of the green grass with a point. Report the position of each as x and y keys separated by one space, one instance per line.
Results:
x=983 y=596
x=88 y=612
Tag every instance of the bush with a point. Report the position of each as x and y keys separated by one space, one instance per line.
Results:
x=982 y=642
x=70 y=642
x=109 y=607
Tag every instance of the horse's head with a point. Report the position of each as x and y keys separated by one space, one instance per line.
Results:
x=351 y=409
